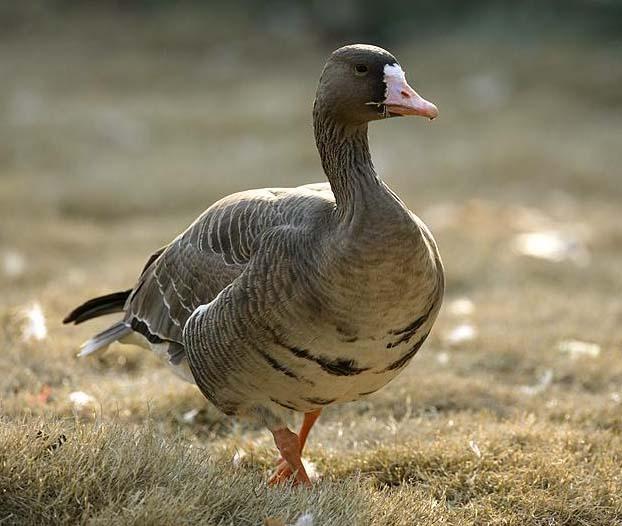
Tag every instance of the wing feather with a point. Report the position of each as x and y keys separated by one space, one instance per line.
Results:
x=211 y=254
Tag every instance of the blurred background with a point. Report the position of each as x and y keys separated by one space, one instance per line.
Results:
x=121 y=121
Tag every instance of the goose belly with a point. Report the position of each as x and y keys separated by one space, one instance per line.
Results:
x=332 y=367
x=355 y=345
x=323 y=378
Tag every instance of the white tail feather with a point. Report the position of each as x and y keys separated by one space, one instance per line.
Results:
x=102 y=340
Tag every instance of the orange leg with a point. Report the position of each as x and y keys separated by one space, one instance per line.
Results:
x=288 y=444
x=307 y=424
x=284 y=470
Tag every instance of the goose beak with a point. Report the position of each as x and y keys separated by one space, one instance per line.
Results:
x=401 y=99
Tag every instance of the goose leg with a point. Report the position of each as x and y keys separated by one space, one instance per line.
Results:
x=307 y=424
x=288 y=444
x=283 y=470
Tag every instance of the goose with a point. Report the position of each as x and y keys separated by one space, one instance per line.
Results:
x=282 y=300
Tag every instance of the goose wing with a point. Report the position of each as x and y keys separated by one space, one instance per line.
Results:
x=211 y=254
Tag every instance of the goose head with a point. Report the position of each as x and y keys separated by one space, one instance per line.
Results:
x=362 y=83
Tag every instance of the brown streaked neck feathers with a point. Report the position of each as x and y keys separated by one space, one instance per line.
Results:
x=345 y=156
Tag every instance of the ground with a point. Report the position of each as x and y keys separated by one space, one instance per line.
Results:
x=114 y=136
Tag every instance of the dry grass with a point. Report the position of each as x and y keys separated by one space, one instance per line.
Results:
x=110 y=144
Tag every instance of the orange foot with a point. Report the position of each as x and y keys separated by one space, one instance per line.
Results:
x=287 y=468
x=289 y=446
x=282 y=474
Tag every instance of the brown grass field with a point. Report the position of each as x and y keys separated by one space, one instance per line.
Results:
x=115 y=134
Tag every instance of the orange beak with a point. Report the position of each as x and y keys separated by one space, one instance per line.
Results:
x=401 y=99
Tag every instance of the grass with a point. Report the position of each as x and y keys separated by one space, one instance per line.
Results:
x=116 y=135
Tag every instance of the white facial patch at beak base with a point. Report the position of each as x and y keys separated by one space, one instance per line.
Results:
x=394 y=78
x=401 y=99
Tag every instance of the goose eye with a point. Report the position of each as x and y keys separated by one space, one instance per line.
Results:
x=360 y=69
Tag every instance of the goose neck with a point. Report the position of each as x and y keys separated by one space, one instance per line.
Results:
x=346 y=160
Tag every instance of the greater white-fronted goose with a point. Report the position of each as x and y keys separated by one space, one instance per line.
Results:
x=292 y=299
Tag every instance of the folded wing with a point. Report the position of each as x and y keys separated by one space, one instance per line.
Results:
x=210 y=255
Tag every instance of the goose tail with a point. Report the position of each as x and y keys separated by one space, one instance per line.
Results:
x=105 y=338
x=108 y=304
